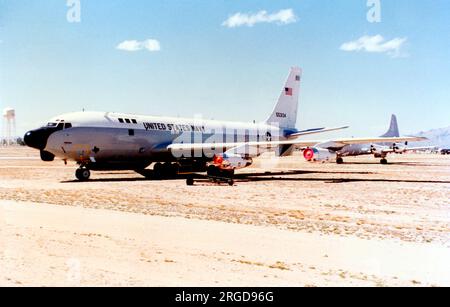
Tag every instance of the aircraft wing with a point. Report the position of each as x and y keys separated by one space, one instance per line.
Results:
x=406 y=149
x=314 y=131
x=223 y=147
x=241 y=147
x=254 y=148
x=388 y=150
x=338 y=143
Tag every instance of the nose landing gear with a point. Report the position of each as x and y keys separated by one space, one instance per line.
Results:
x=83 y=174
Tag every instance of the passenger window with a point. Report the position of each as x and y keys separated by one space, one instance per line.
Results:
x=121 y=120
x=134 y=121
x=127 y=120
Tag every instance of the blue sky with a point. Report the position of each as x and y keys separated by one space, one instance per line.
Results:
x=49 y=66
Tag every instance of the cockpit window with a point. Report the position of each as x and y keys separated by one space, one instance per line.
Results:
x=57 y=126
x=67 y=125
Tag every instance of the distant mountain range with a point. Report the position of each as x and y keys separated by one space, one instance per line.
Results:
x=438 y=137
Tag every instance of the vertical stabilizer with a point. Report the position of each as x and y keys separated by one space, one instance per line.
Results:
x=393 y=129
x=285 y=112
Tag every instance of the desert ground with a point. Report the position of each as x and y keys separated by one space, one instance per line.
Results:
x=285 y=222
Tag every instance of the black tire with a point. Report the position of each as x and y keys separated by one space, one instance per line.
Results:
x=383 y=161
x=158 y=170
x=175 y=169
x=339 y=161
x=231 y=182
x=190 y=181
x=212 y=171
x=83 y=174
x=171 y=170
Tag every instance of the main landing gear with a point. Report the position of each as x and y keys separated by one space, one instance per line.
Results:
x=83 y=174
x=166 y=170
x=384 y=161
x=339 y=160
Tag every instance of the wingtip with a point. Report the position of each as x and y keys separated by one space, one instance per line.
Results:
x=420 y=138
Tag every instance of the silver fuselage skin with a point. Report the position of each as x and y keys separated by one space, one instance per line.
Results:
x=355 y=150
x=103 y=142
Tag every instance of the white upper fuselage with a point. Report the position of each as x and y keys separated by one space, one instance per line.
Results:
x=128 y=141
x=99 y=136
x=111 y=120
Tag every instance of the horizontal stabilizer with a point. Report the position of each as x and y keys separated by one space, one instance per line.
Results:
x=315 y=131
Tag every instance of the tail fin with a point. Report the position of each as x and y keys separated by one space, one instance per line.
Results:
x=393 y=129
x=285 y=112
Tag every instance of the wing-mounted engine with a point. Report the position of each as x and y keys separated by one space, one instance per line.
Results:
x=315 y=154
x=231 y=161
x=381 y=151
x=377 y=151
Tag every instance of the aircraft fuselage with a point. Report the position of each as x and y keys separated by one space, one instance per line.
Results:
x=110 y=141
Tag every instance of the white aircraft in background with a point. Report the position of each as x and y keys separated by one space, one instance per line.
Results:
x=113 y=141
x=335 y=150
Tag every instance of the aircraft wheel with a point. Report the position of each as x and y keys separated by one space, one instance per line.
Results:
x=212 y=171
x=231 y=182
x=171 y=170
x=190 y=181
x=158 y=170
x=83 y=174
x=339 y=160
x=383 y=161
x=175 y=169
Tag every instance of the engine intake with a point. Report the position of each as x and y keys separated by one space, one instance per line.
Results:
x=231 y=162
x=318 y=155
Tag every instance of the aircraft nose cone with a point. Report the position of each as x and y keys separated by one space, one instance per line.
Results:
x=35 y=139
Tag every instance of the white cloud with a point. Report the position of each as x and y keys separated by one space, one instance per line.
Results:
x=281 y=18
x=151 y=45
x=375 y=43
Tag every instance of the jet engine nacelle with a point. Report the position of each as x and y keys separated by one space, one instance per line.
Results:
x=318 y=155
x=377 y=151
x=231 y=162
